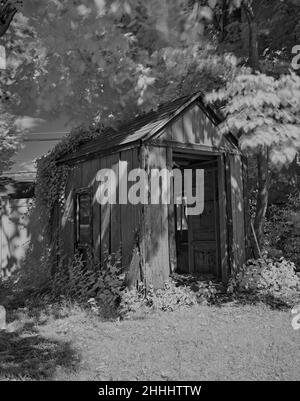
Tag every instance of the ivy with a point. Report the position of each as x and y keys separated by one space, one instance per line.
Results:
x=52 y=177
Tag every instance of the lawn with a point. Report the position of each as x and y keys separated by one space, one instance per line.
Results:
x=230 y=342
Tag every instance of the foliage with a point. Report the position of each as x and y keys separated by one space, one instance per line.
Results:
x=21 y=52
x=8 y=9
x=98 y=284
x=277 y=30
x=9 y=142
x=51 y=178
x=35 y=271
x=283 y=229
x=264 y=113
x=124 y=51
x=267 y=278
x=172 y=297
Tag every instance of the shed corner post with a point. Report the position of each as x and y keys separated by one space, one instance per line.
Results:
x=246 y=209
x=223 y=219
x=237 y=210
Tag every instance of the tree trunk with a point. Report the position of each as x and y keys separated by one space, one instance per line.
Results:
x=263 y=180
x=253 y=36
x=224 y=19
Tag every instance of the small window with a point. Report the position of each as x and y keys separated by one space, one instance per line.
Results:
x=83 y=218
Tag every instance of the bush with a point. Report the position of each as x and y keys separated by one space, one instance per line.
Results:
x=141 y=300
x=98 y=285
x=267 y=278
x=101 y=288
x=283 y=230
x=169 y=298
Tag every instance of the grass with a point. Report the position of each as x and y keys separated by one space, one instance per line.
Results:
x=227 y=342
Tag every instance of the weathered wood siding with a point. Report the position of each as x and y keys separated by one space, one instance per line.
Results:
x=129 y=215
x=223 y=220
x=237 y=209
x=115 y=227
x=194 y=128
x=155 y=223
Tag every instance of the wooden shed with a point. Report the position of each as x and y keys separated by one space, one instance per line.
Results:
x=158 y=239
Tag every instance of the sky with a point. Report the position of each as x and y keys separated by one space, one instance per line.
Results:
x=37 y=142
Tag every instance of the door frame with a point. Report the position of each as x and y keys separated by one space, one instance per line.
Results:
x=220 y=215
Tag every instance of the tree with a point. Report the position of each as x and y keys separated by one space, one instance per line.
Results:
x=258 y=32
x=8 y=138
x=264 y=113
x=106 y=60
x=8 y=9
x=261 y=33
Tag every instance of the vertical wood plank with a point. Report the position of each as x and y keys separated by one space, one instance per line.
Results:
x=129 y=214
x=247 y=217
x=229 y=214
x=156 y=227
x=115 y=221
x=237 y=198
x=96 y=216
x=145 y=222
x=216 y=222
x=223 y=218
x=67 y=217
x=89 y=170
x=171 y=218
x=105 y=218
x=164 y=222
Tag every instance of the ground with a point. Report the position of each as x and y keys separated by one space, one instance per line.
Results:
x=228 y=342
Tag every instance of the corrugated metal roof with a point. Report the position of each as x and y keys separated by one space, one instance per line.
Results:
x=141 y=128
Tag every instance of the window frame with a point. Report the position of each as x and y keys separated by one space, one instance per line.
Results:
x=77 y=245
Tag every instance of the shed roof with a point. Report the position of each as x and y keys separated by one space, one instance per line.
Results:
x=142 y=128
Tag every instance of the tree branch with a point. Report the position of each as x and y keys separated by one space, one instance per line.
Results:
x=8 y=10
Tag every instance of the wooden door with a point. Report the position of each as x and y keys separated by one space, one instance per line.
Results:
x=203 y=230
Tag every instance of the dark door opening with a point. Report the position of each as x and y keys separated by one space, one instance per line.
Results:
x=197 y=236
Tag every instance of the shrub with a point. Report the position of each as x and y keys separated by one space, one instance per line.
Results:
x=283 y=231
x=267 y=278
x=169 y=298
x=98 y=285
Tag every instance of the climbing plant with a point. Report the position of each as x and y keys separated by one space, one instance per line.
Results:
x=51 y=176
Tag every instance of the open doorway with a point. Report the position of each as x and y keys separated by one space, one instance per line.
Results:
x=197 y=236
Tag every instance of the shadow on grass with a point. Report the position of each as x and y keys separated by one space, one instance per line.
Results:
x=26 y=355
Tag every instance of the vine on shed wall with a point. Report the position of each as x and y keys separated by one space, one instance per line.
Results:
x=52 y=177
